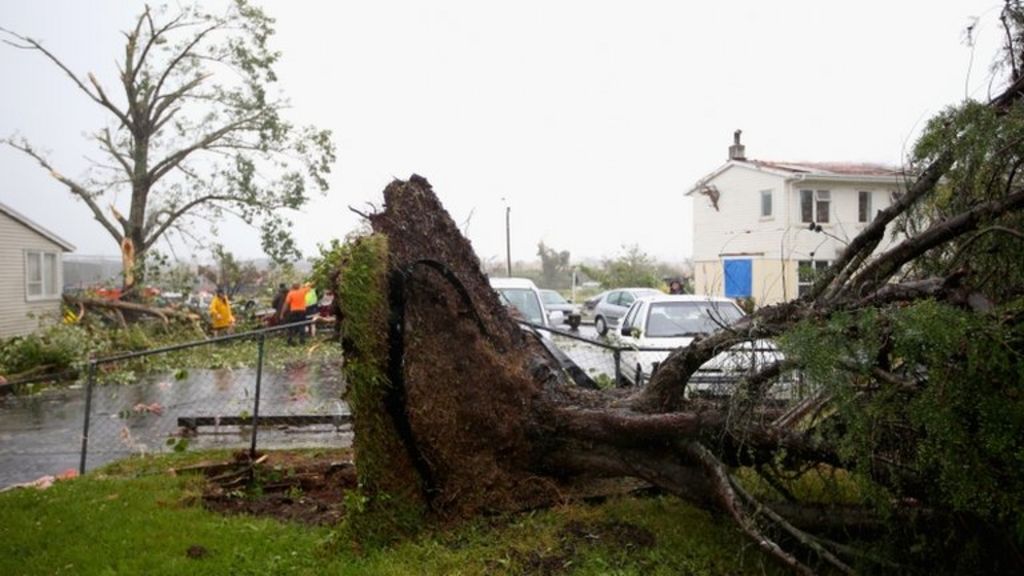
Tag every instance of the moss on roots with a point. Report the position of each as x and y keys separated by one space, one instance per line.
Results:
x=390 y=503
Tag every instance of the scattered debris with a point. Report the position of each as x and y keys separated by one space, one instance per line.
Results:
x=44 y=482
x=289 y=486
x=154 y=408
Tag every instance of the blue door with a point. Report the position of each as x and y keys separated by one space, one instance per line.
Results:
x=738 y=278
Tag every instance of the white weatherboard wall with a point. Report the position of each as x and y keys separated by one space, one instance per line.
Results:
x=736 y=227
x=773 y=244
x=801 y=243
x=737 y=230
x=15 y=308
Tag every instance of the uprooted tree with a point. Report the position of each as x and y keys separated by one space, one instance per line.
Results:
x=196 y=132
x=914 y=354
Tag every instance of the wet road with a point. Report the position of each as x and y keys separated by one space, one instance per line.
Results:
x=42 y=434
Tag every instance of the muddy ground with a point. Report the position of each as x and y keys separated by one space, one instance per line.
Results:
x=305 y=487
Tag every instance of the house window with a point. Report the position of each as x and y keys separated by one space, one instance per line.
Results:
x=863 y=206
x=766 y=203
x=814 y=205
x=807 y=272
x=42 y=275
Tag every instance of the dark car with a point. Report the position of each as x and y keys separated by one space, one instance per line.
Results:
x=554 y=301
x=591 y=303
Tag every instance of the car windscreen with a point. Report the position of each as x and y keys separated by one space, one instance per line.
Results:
x=676 y=319
x=524 y=300
x=552 y=297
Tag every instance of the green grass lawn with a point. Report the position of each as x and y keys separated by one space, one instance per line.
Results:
x=134 y=518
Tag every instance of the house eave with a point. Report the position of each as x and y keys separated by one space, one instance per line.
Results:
x=734 y=164
x=38 y=229
x=865 y=178
x=887 y=179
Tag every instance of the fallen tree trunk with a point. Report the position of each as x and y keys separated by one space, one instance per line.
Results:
x=121 y=306
x=465 y=413
x=458 y=411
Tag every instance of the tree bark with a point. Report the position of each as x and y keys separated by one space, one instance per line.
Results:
x=164 y=314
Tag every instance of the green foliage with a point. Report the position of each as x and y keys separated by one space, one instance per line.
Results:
x=179 y=444
x=68 y=347
x=634 y=268
x=604 y=381
x=985 y=145
x=133 y=338
x=60 y=347
x=971 y=416
x=952 y=418
x=326 y=265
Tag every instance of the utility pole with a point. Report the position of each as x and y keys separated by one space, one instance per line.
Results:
x=508 y=240
x=573 y=285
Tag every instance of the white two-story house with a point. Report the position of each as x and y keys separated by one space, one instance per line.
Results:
x=761 y=229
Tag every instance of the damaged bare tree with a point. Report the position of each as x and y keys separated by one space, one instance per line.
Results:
x=195 y=133
x=915 y=354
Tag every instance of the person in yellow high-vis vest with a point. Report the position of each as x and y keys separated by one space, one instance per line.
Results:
x=220 y=313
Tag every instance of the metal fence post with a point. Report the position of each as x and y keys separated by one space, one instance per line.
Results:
x=88 y=410
x=618 y=365
x=256 y=406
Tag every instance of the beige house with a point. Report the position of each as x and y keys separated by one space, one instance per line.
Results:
x=31 y=276
x=761 y=229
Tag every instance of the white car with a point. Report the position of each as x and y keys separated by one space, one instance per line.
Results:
x=655 y=326
x=522 y=294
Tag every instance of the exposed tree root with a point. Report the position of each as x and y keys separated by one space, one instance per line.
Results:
x=491 y=421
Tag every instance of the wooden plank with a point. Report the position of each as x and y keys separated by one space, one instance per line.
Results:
x=194 y=422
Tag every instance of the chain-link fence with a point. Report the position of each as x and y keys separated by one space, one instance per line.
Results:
x=291 y=406
x=295 y=406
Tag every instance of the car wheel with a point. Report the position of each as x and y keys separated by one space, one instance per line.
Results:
x=600 y=325
x=574 y=322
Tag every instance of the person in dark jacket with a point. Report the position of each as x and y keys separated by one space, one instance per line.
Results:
x=278 y=302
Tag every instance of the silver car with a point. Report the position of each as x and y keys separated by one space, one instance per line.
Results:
x=614 y=305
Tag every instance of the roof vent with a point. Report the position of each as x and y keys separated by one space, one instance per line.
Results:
x=737 y=151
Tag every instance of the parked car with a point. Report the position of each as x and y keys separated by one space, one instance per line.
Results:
x=654 y=326
x=524 y=298
x=614 y=304
x=554 y=301
x=591 y=303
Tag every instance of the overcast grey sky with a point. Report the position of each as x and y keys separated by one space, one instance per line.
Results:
x=590 y=118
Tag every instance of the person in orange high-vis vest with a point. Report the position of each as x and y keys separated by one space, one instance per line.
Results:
x=295 y=311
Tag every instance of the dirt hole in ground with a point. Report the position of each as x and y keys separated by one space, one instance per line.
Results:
x=306 y=487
